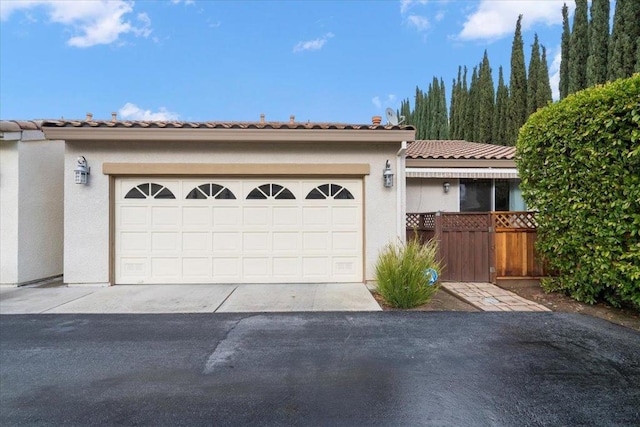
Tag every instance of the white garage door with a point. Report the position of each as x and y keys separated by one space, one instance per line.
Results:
x=209 y=230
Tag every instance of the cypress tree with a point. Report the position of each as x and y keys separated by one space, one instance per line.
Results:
x=598 y=43
x=470 y=107
x=624 y=41
x=500 y=124
x=517 y=86
x=462 y=111
x=454 y=123
x=564 y=60
x=486 y=102
x=543 y=93
x=443 y=120
x=579 y=48
x=532 y=78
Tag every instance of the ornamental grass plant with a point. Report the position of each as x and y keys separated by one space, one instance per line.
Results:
x=402 y=273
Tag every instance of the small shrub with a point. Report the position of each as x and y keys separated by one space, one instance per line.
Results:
x=400 y=272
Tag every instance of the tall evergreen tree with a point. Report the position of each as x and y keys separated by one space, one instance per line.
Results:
x=532 y=78
x=486 y=102
x=500 y=124
x=443 y=120
x=517 y=85
x=462 y=111
x=543 y=94
x=624 y=41
x=598 y=43
x=579 y=48
x=470 y=108
x=455 y=104
x=564 y=60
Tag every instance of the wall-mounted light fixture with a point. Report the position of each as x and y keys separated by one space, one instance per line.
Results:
x=82 y=171
x=388 y=175
x=446 y=186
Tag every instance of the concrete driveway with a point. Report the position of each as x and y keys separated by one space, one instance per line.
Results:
x=188 y=299
x=387 y=369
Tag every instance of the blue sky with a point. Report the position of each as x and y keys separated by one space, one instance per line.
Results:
x=232 y=60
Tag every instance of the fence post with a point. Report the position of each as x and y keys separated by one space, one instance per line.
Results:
x=437 y=236
x=492 y=248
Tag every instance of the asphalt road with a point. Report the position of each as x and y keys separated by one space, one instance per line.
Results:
x=392 y=368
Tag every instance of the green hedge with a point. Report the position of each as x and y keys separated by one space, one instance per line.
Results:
x=579 y=160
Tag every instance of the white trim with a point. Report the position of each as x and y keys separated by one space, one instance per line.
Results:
x=401 y=192
x=462 y=173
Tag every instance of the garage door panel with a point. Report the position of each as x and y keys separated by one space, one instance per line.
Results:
x=211 y=237
x=285 y=241
x=341 y=216
x=134 y=267
x=165 y=268
x=226 y=242
x=344 y=266
x=133 y=216
x=227 y=268
x=165 y=242
x=196 y=216
x=256 y=267
x=286 y=217
x=286 y=267
x=196 y=268
x=315 y=241
x=131 y=241
x=345 y=241
x=315 y=267
x=165 y=216
x=196 y=242
x=316 y=216
x=227 y=216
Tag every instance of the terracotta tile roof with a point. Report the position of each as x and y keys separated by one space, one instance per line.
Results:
x=451 y=149
x=216 y=125
x=19 y=125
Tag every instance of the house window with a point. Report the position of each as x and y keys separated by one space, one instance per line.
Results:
x=326 y=191
x=475 y=195
x=149 y=190
x=484 y=195
x=216 y=191
x=270 y=191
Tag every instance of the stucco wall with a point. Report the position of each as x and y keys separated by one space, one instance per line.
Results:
x=86 y=258
x=8 y=212
x=41 y=197
x=427 y=195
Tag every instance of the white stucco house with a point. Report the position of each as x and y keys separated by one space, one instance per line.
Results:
x=31 y=203
x=461 y=176
x=214 y=202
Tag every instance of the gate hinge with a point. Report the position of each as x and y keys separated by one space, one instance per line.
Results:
x=490 y=229
x=492 y=269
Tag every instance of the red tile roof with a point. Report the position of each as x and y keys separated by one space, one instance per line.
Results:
x=451 y=149
x=19 y=125
x=216 y=125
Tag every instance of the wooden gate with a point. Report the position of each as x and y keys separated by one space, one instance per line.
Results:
x=465 y=246
x=481 y=247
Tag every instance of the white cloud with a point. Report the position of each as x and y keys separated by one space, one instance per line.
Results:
x=405 y=5
x=92 y=22
x=391 y=98
x=132 y=112
x=554 y=70
x=496 y=19
x=183 y=1
x=420 y=23
x=312 y=44
x=440 y=16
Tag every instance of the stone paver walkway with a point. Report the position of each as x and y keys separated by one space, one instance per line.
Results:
x=488 y=297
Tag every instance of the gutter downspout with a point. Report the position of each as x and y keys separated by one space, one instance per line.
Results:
x=401 y=183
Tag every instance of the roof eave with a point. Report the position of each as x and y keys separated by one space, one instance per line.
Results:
x=210 y=135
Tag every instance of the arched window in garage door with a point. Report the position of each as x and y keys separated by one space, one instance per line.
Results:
x=149 y=190
x=211 y=189
x=268 y=191
x=329 y=191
